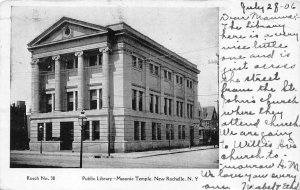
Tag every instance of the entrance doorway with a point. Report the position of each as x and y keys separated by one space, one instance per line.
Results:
x=66 y=135
x=192 y=135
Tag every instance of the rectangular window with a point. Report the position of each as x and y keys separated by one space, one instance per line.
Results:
x=169 y=75
x=181 y=109
x=93 y=99
x=48 y=131
x=179 y=131
x=165 y=106
x=143 y=131
x=86 y=131
x=188 y=110
x=156 y=70
x=134 y=99
x=156 y=104
x=177 y=108
x=40 y=131
x=158 y=131
x=100 y=59
x=178 y=79
x=93 y=60
x=133 y=61
x=136 y=131
x=151 y=68
x=168 y=131
x=48 y=102
x=140 y=101
x=153 y=131
x=170 y=106
x=189 y=83
x=96 y=130
x=75 y=62
x=140 y=63
x=100 y=98
x=172 y=132
x=200 y=134
x=166 y=74
x=151 y=103
x=70 y=100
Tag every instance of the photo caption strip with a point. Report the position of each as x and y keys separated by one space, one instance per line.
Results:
x=259 y=95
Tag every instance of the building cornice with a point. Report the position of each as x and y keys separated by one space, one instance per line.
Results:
x=31 y=48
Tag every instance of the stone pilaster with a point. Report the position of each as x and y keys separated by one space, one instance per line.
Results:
x=58 y=98
x=52 y=102
x=74 y=100
x=162 y=88
x=147 y=90
x=35 y=86
x=80 y=94
x=98 y=98
x=44 y=131
x=185 y=98
x=106 y=76
x=91 y=130
x=195 y=89
x=174 y=94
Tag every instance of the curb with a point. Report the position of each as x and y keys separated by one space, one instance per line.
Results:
x=160 y=154
x=91 y=155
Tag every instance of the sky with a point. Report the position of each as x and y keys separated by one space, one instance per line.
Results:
x=191 y=32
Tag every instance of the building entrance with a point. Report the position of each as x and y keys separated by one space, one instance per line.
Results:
x=66 y=135
x=192 y=135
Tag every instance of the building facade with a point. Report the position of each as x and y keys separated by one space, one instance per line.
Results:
x=134 y=91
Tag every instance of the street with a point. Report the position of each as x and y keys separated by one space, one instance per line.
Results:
x=207 y=158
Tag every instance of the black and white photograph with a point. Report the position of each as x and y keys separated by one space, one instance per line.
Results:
x=114 y=87
x=149 y=94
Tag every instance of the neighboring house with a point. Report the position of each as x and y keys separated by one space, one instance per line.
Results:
x=116 y=70
x=18 y=126
x=208 y=129
x=210 y=117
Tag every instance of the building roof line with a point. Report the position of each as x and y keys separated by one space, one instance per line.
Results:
x=151 y=41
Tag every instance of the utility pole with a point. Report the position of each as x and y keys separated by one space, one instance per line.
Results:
x=217 y=63
x=108 y=126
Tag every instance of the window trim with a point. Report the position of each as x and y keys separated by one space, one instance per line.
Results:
x=137 y=62
x=152 y=69
x=136 y=131
x=90 y=100
x=179 y=80
x=134 y=98
x=94 y=131
x=143 y=131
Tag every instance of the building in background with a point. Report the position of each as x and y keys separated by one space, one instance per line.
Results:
x=18 y=126
x=209 y=129
x=134 y=91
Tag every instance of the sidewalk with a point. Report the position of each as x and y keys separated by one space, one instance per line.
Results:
x=129 y=155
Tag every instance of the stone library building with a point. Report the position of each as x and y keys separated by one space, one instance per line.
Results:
x=136 y=94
